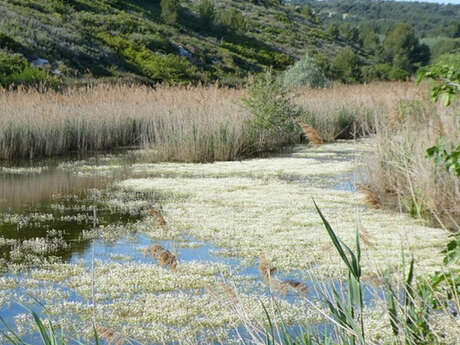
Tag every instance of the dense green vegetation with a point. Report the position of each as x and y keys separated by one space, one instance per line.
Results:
x=184 y=41
x=428 y=19
x=395 y=37
x=167 y=40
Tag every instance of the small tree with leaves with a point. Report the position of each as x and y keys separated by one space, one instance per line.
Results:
x=447 y=86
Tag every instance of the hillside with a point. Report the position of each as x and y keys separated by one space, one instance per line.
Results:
x=132 y=39
x=428 y=19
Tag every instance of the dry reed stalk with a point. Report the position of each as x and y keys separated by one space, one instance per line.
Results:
x=366 y=237
x=187 y=124
x=311 y=134
x=153 y=250
x=230 y=293
x=264 y=268
x=281 y=286
x=299 y=287
x=371 y=196
x=110 y=336
x=161 y=221
x=163 y=256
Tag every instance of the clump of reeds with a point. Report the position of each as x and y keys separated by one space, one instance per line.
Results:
x=265 y=270
x=280 y=286
x=110 y=336
x=160 y=219
x=366 y=237
x=351 y=111
x=311 y=134
x=163 y=256
x=399 y=173
x=371 y=196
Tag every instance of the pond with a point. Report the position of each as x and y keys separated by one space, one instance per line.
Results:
x=77 y=242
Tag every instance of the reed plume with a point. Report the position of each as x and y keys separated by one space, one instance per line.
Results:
x=264 y=268
x=311 y=134
x=159 y=218
x=110 y=336
x=366 y=237
x=163 y=256
x=284 y=286
x=371 y=196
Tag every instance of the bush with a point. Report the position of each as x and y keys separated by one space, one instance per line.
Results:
x=16 y=70
x=305 y=72
x=445 y=45
x=233 y=20
x=158 y=67
x=449 y=59
x=274 y=117
x=376 y=72
x=170 y=11
x=207 y=12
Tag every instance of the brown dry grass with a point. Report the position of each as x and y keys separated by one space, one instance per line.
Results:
x=110 y=336
x=400 y=174
x=348 y=111
x=192 y=124
x=265 y=270
x=160 y=219
x=311 y=134
x=163 y=256
x=186 y=124
x=371 y=196
x=280 y=286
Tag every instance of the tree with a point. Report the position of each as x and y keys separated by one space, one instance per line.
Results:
x=453 y=29
x=333 y=31
x=233 y=20
x=170 y=11
x=403 y=49
x=346 y=66
x=447 y=85
x=370 y=41
x=349 y=33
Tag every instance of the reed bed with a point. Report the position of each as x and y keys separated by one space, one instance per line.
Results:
x=186 y=124
x=194 y=124
x=351 y=111
x=400 y=174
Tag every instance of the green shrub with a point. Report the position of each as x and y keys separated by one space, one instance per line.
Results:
x=16 y=70
x=207 y=12
x=233 y=20
x=376 y=72
x=8 y=43
x=397 y=73
x=170 y=10
x=305 y=72
x=449 y=59
x=269 y=58
x=445 y=45
x=10 y=64
x=158 y=67
x=274 y=117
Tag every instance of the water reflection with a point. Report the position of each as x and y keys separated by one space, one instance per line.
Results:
x=44 y=209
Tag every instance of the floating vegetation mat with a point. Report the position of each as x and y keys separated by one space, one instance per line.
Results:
x=175 y=248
